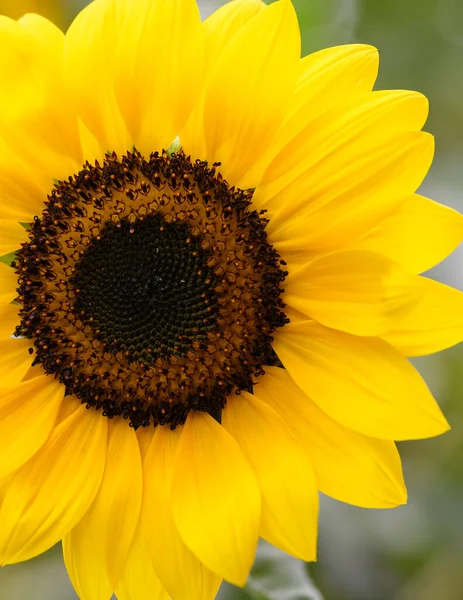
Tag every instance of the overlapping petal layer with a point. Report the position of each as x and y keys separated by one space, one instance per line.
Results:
x=138 y=577
x=35 y=113
x=134 y=99
x=419 y=234
x=28 y=413
x=348 y=466
x=50 y=494
x=9 y=320
x=11 y=236
x=435 y=323
x=244 y=107
x=169 y=553
x=349 y=127
x=8 y=284
x=15 y=361
x=225 y=23
x=361 y=382
x=216 y=498
x=284 y=473
x=362 y=293
x=219 y=29
x=95 y=551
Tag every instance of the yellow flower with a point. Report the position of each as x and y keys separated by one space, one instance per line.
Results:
x=214 y=291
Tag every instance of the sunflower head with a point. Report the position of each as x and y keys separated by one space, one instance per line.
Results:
x=149 y=289
x=215 y=288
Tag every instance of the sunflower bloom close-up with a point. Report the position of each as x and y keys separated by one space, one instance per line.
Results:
x=210 y=286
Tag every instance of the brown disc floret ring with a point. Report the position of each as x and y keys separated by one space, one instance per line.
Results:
x=149 y=288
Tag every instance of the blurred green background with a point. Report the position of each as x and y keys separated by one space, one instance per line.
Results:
x=414 y=552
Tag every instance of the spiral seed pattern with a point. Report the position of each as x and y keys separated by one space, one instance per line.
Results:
x=149 y=289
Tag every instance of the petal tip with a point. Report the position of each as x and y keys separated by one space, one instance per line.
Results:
x=368 y=51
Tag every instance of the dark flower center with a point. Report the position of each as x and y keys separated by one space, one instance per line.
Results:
x=148 y=288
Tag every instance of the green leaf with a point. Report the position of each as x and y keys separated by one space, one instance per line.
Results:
x=275 y=576
x=8 y=258
x=174 y=147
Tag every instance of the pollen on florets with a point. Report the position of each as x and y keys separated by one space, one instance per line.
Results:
x=149 y=289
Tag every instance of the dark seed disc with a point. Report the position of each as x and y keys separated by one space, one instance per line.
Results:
x=149 y=289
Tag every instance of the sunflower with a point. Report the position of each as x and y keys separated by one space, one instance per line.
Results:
x=210 y=289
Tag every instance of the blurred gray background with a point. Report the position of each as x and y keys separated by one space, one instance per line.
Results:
x=414 y=552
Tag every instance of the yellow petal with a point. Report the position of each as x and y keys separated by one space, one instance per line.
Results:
x=49 y=495
x=28 y=48
x=36 y=110
x=145 y=88
x=363 y=383
x=249 y=90
x=158 y=68
x=358 y=159
x=284 y=473
x=96 y=549
x=145 y=437
x=418 y=234
x=9 y=320
x=17 y=58
x=8 y=284
x=351 y=126
x=139 y=580
x=22 y=190
x=435 y=323
x=348 y=466
x=347 y=194
x=28 y=413
x=225 y=22
x=358 y=292
x=4 y=482
x=68 y=408
x=12 y=235
x=326 y=78
x=169 y=554
x=15 y=361
x=88 y=41
x=329 y=77
x=216 y=499
x=219 y=29
x=44 y=31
